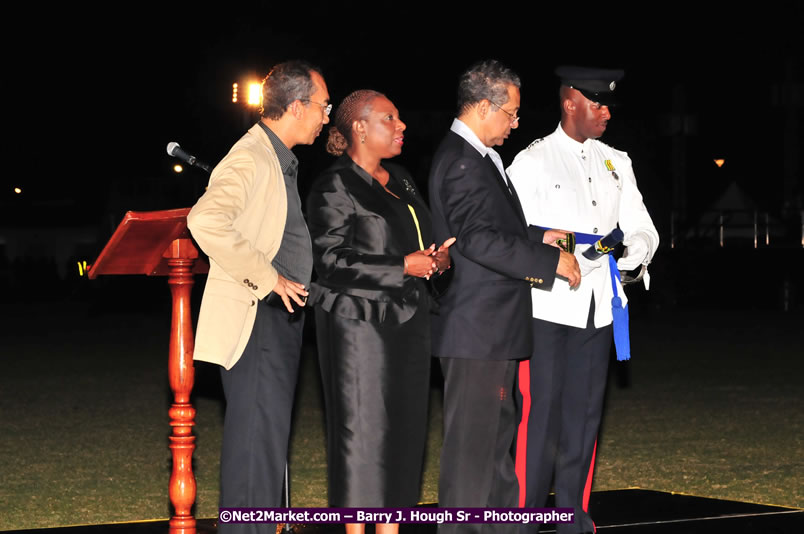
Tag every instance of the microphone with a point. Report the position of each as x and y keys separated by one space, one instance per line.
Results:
x=604 y=245
x=175 y=150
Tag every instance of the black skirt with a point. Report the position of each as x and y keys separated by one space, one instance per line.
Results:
x=376 y=382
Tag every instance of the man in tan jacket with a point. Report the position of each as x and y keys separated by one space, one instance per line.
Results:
x=250 y=224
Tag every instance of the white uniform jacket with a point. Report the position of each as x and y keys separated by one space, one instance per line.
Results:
x=584 y=187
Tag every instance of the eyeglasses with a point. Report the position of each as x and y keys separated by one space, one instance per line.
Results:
x=326 y=107
x=514 y=118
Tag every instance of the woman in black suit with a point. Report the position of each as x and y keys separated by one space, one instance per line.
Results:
x=373 y=253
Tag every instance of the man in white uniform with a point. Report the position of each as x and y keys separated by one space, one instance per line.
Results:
x=572 y=181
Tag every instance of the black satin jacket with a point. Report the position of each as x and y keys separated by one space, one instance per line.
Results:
x=360 y=236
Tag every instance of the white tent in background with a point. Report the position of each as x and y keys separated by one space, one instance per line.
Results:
x=735 y=217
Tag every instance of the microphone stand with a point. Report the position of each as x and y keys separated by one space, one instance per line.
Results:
x=287 y=497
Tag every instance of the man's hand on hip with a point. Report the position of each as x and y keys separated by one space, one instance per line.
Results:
x=288 y=289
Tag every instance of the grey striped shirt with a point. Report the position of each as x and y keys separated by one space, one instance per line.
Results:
x=294 y=260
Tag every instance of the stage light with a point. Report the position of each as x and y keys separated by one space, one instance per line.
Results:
x=234 y=93
x=254 y=94
x=719 y=162
x=178 y=168
x=17 y=190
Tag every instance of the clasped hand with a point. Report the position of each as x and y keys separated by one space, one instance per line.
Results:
x=423 y=263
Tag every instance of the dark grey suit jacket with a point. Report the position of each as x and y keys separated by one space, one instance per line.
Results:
x=486 y=311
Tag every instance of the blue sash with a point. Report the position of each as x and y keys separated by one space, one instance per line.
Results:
x=622 y=343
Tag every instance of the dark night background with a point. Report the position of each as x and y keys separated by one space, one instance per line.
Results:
x=92 y=98
x=92 y=93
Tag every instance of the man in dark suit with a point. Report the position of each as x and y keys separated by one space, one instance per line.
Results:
x=483 y=325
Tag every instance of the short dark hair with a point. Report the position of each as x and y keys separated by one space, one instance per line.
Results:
x=485 y=80
x=286 y=83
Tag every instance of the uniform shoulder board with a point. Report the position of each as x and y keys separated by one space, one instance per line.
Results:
x=536 y=142
x=612 y=150
x=604 y=145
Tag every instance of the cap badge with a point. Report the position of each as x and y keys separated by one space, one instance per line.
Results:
x=610 y=165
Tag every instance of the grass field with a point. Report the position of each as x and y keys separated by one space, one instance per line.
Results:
x=710 y=405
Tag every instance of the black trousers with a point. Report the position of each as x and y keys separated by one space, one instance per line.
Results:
x=567 y=379
x=259 y=392
x=477 y=469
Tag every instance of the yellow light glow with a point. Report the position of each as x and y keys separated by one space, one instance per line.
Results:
x=234 y=92
x=17 y=190
x=178 y=168
x=720 y=162
x=254 y=94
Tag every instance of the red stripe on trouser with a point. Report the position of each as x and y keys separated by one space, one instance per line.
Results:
x=587 y=490
x=521 y=460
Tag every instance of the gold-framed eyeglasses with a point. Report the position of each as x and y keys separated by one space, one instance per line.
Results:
x=326 y=107
x=514 y=118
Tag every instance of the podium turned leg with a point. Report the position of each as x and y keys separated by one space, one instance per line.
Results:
x=182 y=488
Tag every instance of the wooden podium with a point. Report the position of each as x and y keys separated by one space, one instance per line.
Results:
x=157 y=243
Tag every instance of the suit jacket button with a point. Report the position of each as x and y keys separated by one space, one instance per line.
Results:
x=253 y=302
x=256 y=287
x=246 y=281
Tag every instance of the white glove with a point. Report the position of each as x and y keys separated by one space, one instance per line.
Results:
x=587 y=265
x=637 y=248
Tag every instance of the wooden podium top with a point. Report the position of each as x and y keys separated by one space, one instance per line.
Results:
x=140 y=241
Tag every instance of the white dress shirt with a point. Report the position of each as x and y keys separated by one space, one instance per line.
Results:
x=460 y=128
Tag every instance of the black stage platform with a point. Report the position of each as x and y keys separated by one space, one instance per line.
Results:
x=631 y=511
